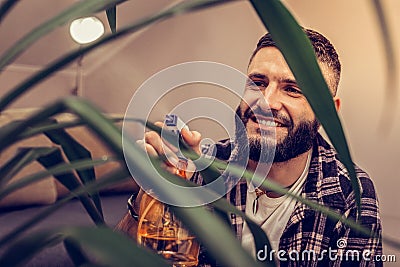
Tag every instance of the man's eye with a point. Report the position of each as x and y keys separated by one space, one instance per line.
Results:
x=257 y=84
x=293 y=91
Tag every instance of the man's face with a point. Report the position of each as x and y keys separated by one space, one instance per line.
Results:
x=274 y=110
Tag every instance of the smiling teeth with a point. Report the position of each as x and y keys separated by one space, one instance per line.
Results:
x=269 y=123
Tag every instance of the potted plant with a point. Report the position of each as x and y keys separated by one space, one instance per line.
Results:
x=113 y=248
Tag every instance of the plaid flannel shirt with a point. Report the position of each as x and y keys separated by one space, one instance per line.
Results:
x=327 y=183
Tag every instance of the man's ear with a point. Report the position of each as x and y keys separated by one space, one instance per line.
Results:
x=336 y=100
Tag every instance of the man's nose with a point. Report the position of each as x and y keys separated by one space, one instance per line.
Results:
x=271 y=98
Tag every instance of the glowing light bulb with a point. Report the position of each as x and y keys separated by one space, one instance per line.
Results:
x=86 y=30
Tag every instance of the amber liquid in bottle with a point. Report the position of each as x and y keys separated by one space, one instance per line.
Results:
x=162 y=232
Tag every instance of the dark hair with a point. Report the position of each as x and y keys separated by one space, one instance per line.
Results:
x=323 y=48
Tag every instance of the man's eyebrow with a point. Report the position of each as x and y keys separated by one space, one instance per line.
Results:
x=257 y=75
x=291 y=81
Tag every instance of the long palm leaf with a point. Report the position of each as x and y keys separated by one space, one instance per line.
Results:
x=108 y=132
x=24 y=156
x=108 y=179
x=109 y=247
x=176 y=10
x=58 y=169
x=6 y=6
x=70 y=181
x=265 y=183
x=80 y=9
x=392 y=70
x=300 y=56
x=75 y=151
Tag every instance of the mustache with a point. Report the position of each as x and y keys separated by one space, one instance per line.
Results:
x=257 y=111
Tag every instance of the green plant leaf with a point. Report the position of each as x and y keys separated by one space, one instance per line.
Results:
x=75 y=151
x=24 y=156
x=239 y=172
x=108 y=179
x=270 y=185
x=112 y=18
x=267 y=184
x=59 y=169
x=209 y=174
x=114 y=249
x=6 y=6
x=101 y=125
x=216 y=236
x=80 y=9
x=299 y=54
x=69 y=180
x=212 y=239
x=392 y=71
x=135 y=154
x=49 y=126
x=23 y=251
x=75 y=252
x=210 y=229
x=176 y=10
x=9 y=127
x=260 y=238
x=108 y=247
x=107 y=131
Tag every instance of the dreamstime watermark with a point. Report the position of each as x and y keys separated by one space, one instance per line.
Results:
x=338 y=254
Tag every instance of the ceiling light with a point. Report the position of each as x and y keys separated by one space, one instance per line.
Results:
x=86 y=30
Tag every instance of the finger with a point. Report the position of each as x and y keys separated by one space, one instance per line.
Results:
x=165 y=142
x=147 y=147
x=152 y=138
x=192 y=138
x=150 y=150
x=159 y=124
x=156 y=146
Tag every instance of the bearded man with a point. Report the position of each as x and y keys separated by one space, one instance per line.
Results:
x=278 y=128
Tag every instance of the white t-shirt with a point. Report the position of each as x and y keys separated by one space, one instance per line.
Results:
x=272 y=214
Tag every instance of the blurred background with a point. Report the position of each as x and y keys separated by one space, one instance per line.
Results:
x=226 y=34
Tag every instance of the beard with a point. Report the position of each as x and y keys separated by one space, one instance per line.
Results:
x=263 y=147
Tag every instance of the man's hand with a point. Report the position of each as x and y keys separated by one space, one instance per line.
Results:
x=156 y=146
